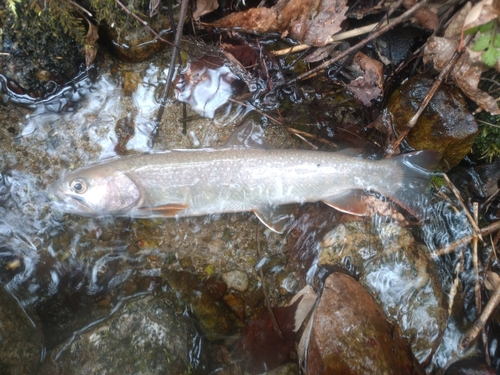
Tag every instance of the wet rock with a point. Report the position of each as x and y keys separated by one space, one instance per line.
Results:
x=351 y=335
x=236 y=279
x=21 y=341
x=470 y=366
x=477 y=182
x=396 y=271
x=445 y=124
x=145 y=336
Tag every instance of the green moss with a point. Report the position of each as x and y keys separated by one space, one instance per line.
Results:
x=487 y=143
x=36 y=17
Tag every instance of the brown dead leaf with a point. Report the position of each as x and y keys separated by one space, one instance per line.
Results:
x=466 y=73
x=204 y=7
x=423 y=16
x=326 y=22
x=367 y=87
x=241 y=54
x=454 y=28
x=90 y=44
x=491 y=281
x=308 y=21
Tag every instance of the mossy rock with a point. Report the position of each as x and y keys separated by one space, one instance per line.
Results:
x=445 y=125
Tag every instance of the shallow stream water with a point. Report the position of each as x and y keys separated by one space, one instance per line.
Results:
x=76 y=271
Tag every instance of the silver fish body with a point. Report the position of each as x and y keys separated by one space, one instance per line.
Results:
x=183 y=183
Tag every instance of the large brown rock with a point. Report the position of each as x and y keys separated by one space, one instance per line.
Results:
x=351 y=335
x=396 y=271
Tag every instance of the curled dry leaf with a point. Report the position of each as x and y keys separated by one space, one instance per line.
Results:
x=204 y=7
x=308 y=21
x=467 y=71
x=90 y=41
x=424 y=16
x=481 y=13
x=492 y=280
x=367 y=87
x=307 y=298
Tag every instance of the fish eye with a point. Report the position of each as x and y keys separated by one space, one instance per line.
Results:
x=78 y=185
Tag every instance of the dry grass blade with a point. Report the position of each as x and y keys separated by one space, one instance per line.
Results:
x=464 y=207
x=335 y=38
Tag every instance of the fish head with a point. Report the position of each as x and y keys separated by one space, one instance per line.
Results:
x=96 y=191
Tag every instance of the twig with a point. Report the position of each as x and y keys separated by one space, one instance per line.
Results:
x=465 y=240
x=479 y=324
x=175 y=53
x=304 y=134
x=464 y=207
x=298 y=135
x=355 y=48
x=264 y=289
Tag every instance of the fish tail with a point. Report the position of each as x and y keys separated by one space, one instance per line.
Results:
x=412 y=190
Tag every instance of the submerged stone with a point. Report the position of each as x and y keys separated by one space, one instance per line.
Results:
x=146 y=336
x=445 y=125
x=214 y=319
x=351 y=335
x=397 y=273
x=21 y=341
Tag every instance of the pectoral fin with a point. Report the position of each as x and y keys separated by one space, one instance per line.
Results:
x=166 y=210
x=351 y=202
x=275 y=218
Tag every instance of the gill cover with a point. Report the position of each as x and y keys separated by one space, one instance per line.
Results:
x=103 y=195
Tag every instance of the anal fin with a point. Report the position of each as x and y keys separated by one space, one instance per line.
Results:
x=167 y=210
x=351 y=202
x=276 y=218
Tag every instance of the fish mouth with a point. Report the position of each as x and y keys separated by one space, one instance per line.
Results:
x=69 y=203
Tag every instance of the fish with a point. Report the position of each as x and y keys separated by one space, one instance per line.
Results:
x=240 y=177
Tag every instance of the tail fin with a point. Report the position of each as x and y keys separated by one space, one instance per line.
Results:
x=412 y=191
